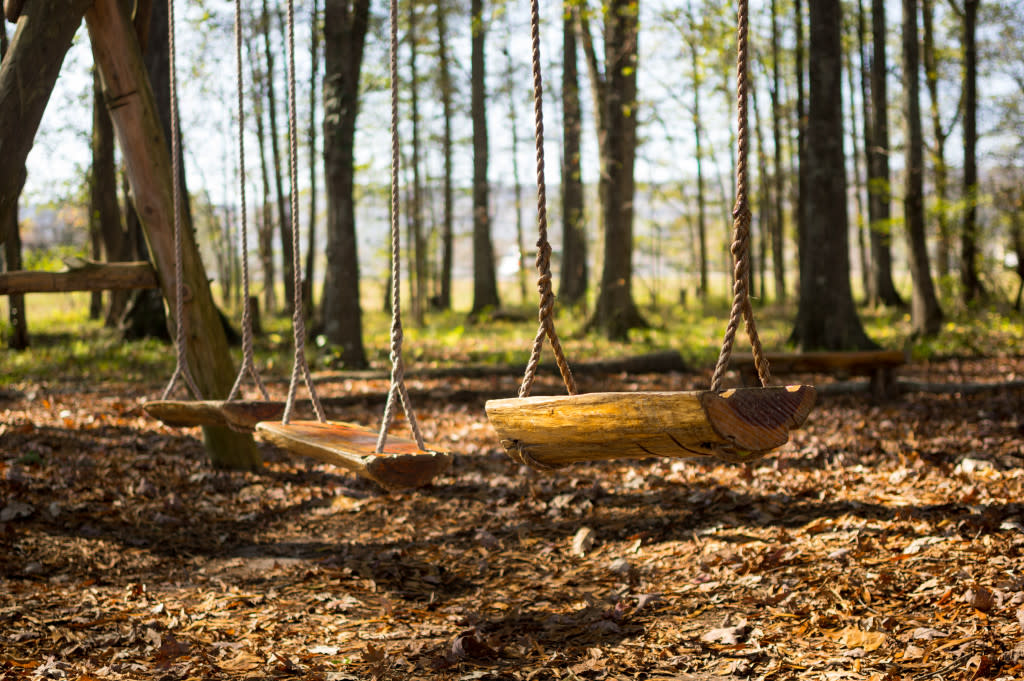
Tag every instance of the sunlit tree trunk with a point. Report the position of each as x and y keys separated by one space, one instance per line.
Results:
x=861 y=218
x=485 y=286
x=826 y=318
x=345 y=27
x=926 y=315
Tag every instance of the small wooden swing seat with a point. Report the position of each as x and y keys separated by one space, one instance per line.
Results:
x=239 y=414
x=402 y=465
x=734 y=425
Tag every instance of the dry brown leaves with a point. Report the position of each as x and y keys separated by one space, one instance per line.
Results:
x=885 y=542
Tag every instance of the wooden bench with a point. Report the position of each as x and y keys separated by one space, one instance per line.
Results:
x=879 y=365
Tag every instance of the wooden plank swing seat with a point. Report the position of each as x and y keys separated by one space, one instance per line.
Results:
x=401 y=465
x=237 y=414
x=734 y=425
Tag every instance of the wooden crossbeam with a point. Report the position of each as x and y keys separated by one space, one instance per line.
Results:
x=90 y=276
x=239 y=414
x=734 y=425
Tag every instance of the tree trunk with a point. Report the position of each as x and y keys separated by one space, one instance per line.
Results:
x=10 y=236
x=417 y=277
x=345 y=27
x=41 y=39
x=868 y=278
x=311 y=246
x=826 y=318
x=926 y=315
x=105 y=211
x=265 y=227
x=777 y=223
x=862 y=255
x=572 y=288
x=879 y=187
x=144 y=144
x=799 y=57
x=280 y=168
x=615 y=312
x=969 y=237
x=447 y=231
x=938 y=151
x=485 y=286
x=510 y=86
x=702 y=232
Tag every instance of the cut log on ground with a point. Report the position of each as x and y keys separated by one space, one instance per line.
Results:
x=734 y=425
x=402 y=464
x=91 y=276
x=880 y=365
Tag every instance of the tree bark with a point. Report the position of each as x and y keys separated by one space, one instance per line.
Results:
x=778 y=222
x=879 y=187
x=861 y=217
x=702 y=232
x=926 y=315
x=417 y=277
x=572 y=288
x=447 y=230
x=485 y=286
x=615 y=312
x=283 y=218
x=105 y=210
x=938 y=151
x=345 y=27
x=41 y=39
x=826 y=318
x=143 y=142
x=311 y=247
x=969 y=236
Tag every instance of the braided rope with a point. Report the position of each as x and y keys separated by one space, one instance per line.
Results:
x=741 y=306
x=547 y=297
x=181 y=369
x=300 y=368
x=248 y=359
x=397 y=388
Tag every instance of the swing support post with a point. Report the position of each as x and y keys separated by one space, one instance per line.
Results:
x=132 y=107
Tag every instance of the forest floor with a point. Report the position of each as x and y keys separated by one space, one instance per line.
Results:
x=883 y=542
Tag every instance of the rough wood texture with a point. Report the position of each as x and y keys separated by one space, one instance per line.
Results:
x=243 y=414
x=91 y=276
x=132 y=106
x=735 y=425
x=27 y=75
x=12 y=10
x=351 y=446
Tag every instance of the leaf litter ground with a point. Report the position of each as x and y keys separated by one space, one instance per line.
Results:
x=884 y=542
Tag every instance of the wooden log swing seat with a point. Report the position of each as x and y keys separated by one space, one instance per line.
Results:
x=734 y=425
x=402 y=464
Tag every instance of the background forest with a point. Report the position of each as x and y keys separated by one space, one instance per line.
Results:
x=884 y=149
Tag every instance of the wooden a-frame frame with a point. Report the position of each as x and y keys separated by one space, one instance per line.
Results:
x=44 y=32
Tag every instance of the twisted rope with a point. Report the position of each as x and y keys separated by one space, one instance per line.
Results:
x=299 y=368
x=397 y=388
x=547 y=297
x=181 y=369
x=741 y=222
x=248 y=359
